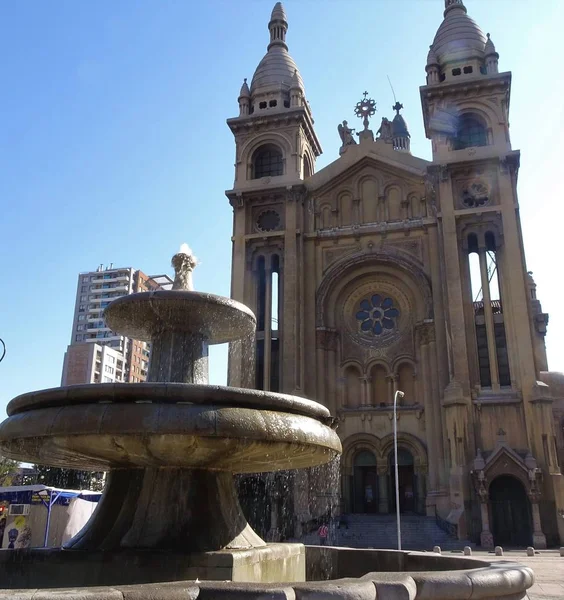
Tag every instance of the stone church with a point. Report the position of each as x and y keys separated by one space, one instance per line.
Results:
x=384 y=272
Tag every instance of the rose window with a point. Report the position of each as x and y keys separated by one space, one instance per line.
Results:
x=268 y=220
x=377 y=314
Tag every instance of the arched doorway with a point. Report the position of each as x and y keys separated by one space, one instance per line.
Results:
x=510 y=512
x=365 y=483
x=407 y=483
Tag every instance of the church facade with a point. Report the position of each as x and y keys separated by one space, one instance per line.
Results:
x=385 y=272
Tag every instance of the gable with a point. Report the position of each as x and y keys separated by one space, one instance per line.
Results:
x=368 y=191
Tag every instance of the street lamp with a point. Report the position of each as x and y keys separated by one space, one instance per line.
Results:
x=396 y=395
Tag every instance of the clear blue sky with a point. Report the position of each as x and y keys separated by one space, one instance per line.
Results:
x=114 y=148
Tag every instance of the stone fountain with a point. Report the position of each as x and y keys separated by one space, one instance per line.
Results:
x=169 y=524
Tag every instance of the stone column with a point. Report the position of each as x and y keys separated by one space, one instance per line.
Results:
x=267 y=324
x=321 y=373
x=433 y=427
x=539 y=539
x=488 y=316
x=326 y=343
x=439 y=465
x=486 y=537
x=364 y=391
x=383 y=507
x=420 y=473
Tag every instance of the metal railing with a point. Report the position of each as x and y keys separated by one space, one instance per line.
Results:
x=446 y=526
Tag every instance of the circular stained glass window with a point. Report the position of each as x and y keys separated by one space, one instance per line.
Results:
x=268 y=220
x=377 y=315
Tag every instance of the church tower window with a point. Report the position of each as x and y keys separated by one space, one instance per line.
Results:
x=268 y=162
x=268 y=275
x=493 y=360
x=471 y=132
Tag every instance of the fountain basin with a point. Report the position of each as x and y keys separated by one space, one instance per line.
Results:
x=144 y=315
x=99 y=427
x=338 y=573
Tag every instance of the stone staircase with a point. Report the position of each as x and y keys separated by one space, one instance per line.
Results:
x=379 y=531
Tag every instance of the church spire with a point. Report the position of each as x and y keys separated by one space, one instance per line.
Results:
x=450 y=4
x=400 y=131
x=278 y=26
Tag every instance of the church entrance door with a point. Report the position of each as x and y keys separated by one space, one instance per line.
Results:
x=365 y=483
x=511 y=512
x=407 y=484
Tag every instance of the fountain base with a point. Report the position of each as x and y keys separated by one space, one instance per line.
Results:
x=278 y=571
x=178 y=510
x=55 y=568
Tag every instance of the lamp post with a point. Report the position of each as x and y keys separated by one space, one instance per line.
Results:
x=396 y=395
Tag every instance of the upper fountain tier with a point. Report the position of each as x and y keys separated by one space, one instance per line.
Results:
x=146 y=316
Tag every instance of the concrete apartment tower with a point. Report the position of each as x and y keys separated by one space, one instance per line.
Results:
x=96 y=354
x=392 y=272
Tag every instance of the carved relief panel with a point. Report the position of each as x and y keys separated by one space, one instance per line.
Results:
x=475 y=188
x=267 y=218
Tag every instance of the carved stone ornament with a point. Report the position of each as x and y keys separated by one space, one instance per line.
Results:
x=326 y=339
x=268 y=220
x=425 y=332
x=475 y=195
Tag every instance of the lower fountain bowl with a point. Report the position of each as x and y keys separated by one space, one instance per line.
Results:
x=326 y=572
x=103 y=436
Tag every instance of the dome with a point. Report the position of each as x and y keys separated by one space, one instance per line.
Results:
x=459 y=37
x=399 y=127
x=276 y=68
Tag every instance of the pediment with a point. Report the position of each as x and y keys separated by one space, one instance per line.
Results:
x=377 y=158
x=502 y=452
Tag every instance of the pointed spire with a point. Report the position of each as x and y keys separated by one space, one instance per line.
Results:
x=295 y=81
x=400 y=132
x=451 y=4
x=432 y=57
x=278 y=26
x=245 y=91
x=278 y=12
x=490 y=48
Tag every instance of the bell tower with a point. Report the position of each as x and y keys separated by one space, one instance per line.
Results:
x=492 y=332
x=275 y=151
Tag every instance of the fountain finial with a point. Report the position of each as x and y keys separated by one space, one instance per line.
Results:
x=184 y=263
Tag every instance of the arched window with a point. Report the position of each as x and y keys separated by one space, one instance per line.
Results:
x=352 y=390
x=471 y=132
x=406 y=383
x=268 y=162
x=308 y=171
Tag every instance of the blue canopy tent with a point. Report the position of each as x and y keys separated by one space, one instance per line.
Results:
x=45 y=495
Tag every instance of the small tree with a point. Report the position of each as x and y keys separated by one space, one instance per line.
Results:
x=69 y=478
x=8 y=470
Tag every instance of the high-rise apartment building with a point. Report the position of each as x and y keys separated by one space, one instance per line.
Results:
x=95 y=351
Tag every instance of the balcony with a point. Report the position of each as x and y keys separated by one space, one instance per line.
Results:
x=112 y=278
x=98 y=329
x=106 y=296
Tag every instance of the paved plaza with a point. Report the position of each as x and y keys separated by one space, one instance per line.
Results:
x=548 y=566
